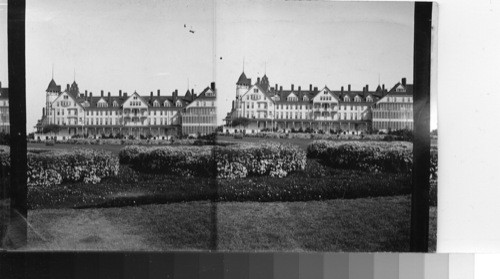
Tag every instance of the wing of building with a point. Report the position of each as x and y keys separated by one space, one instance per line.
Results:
x=132 y=115
x=319 y=109
x=4 y=110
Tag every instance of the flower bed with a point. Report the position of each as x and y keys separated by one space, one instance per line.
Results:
x=55 y=167
x=273 y=159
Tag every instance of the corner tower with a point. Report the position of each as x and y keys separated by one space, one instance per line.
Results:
x=53 y=90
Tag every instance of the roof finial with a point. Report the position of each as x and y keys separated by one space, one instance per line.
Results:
x=52 y=70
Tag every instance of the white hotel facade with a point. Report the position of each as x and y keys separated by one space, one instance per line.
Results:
x=343 y=110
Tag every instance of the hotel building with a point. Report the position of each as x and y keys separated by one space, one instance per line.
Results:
x=343 y=110
x=156 y=116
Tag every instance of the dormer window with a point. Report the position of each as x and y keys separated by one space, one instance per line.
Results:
x=357 y=99
x=369 y=99
x=166 y=103
x=115 y=104
x=178 y=104
x=347 y=99
x=156 y=103
x=305 y=99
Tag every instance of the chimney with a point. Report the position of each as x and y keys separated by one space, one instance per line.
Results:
x=151 y=95
x=102 y=93
x=342 y=89
x=315 y=88
x=43 y=109
x=367 y=88
x=86 y=95
x=310 y=87
x=403 y=81
x=292 y=87
x=281 y=88
x=194 y=96
x=276 y=87
x=120 y=93
x=90 y=95
x=383 y=87
x=212 y=86
x=67 y=87
x=125 y=95
x=158 y=92
x=348 y=88
x=192 y=91
x=109 y=94
x=0 y=84
x=232 y=105
x=82 y=95
x=299 y=89
x=258 y=80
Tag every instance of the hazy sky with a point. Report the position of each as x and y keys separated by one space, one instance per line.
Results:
x=143 y=46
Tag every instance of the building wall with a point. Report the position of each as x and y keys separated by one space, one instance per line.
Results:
x=393 y=112
x=200 y=117
x=4 y=116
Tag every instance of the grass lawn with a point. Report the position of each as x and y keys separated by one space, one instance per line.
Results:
x=303 y=143
x=371 y=224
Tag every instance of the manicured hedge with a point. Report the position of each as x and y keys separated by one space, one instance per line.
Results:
x=55 y=167
x=369 y=156
x=273 y=159
x=237 y=160
x=176 y=160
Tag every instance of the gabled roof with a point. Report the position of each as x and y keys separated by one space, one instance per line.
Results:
x=408 y=90
x=53 y=87
x=203 y=94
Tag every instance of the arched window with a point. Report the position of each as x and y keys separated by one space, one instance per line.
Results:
x=156 y=103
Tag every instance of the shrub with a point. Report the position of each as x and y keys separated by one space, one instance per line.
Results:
x=368 y=156
x=185 y=160
x=89 y=166
x=47 y=168
x=273 y=159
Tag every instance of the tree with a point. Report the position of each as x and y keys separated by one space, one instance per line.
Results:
x=51 y=128
x=240 y=121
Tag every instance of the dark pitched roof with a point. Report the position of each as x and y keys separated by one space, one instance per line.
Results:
x=203 y=94
x=300 y=95
x=243 y=80
x=53 y=87
x=408 y=90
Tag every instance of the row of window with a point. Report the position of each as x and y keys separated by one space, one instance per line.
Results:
x=304 y=116
x=199 y=119
x=392 y=115
x=393 y=125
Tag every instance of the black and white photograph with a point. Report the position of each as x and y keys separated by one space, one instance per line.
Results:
x=245 y=125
